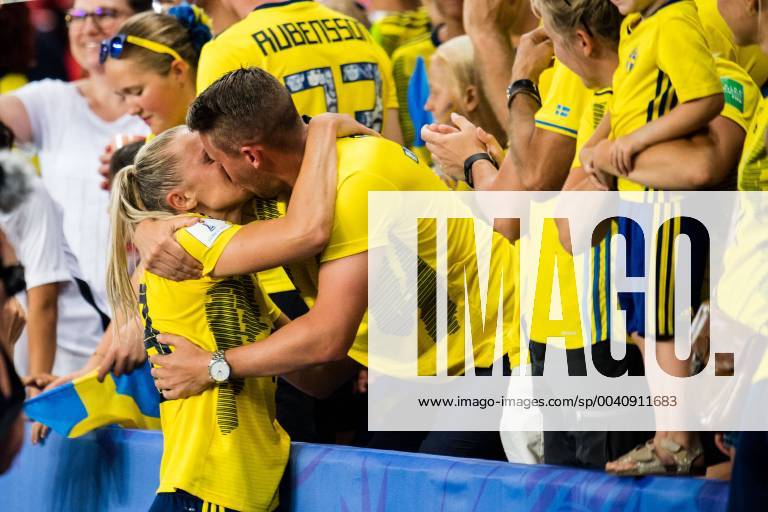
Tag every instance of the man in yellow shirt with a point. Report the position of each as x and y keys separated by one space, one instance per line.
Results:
x=248 y=124
x=328 y=61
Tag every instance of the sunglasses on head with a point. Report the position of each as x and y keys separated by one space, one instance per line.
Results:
x=114 y=47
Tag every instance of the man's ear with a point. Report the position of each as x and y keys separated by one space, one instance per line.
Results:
x=181 y=201
x=253 y=153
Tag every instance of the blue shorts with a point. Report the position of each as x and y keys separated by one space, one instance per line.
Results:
x=182 y=501
x=634 y=303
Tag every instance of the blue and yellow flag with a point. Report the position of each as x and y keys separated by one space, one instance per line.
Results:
x=85 y=404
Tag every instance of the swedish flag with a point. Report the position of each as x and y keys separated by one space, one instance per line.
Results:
x=85 y=404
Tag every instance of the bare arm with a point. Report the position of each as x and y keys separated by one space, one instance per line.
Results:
x=15 y=116
x=577 y=180
x=494 y=65
x=391 y=128
x=41 y=329
x=323 y=335
x=700 y=161
x=682 y=121
x=541 y=158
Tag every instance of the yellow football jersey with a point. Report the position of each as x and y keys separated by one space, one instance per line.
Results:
x=224 y=445
x=663 y=60
x=403 y=64
x=741 y=96
x=393 y=29
x=721 y=42
x=376 y=164
x=328 y=61
x=753 y=167
x=563 y=102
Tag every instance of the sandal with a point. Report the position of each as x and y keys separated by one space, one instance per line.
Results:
x=647 y=462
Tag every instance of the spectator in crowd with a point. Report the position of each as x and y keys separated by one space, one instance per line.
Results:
x=410 y=63
x=239 y=47
x=122 y=157
x=65 y=322
x=69 y=124
x=454 y=86
x=723 y=43
x=152 y=64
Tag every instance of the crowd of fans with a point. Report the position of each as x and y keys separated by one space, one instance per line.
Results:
x=180 y=151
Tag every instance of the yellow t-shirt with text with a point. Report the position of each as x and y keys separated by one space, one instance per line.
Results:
x=328 y=61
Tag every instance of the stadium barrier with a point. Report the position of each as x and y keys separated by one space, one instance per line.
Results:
x=116 y=470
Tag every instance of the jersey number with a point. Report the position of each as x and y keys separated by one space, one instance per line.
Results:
x=355 y=72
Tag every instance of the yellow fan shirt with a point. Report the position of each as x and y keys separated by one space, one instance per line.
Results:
x=328 y=61
x=563 y=100
x=376 y=164
x=224 y=445
x=663 y=60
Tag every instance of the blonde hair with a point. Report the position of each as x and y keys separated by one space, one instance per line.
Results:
x=600 y=18
x=163 y=29
x=458 y=56
x=138 y=193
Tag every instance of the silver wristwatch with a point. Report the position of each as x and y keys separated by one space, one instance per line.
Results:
x=218 y=368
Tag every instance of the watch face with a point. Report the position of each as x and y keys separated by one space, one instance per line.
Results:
x=219 y=371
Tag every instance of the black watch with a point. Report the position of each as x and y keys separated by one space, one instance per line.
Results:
x=469 y=162
x=523 y=86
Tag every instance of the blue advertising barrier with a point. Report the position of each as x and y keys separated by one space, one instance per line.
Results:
x=115 y=469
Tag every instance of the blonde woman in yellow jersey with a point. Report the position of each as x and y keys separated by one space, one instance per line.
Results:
x=224 y=446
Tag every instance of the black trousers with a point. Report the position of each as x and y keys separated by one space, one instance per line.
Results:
x=589 y=449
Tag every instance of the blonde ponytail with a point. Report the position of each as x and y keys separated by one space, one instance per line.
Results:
x=138 y=193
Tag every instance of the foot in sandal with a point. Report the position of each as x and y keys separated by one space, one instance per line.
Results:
x=649 y=460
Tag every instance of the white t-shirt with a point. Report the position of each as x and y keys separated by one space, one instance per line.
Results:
x=69 y=139
x=35 y=231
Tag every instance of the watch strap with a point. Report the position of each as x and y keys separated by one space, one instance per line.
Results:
x=470 y=161
x=524 y=86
